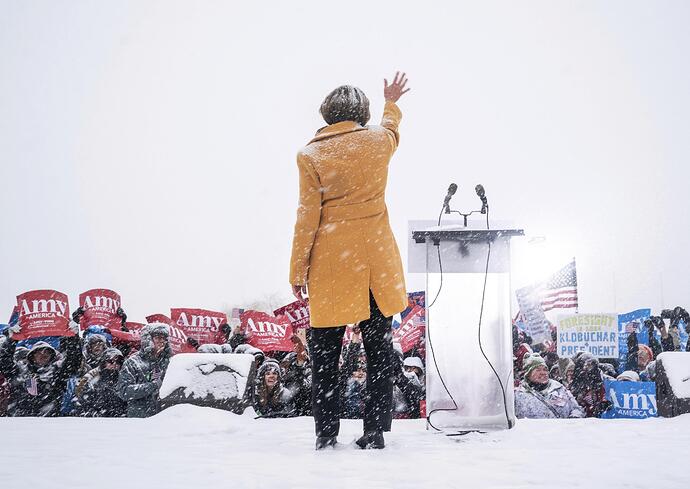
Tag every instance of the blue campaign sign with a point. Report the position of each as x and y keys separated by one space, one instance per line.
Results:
x=635 y=400
x=627 y=323
x=683 y=335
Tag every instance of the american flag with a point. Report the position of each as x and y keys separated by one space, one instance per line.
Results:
x=560 y=291
x=31 y=385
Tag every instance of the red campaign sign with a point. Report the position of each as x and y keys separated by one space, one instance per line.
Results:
x=43 y=313
x=178 y=341
x=297 y=312
x=125 y=336
x=411 y=329
x=159 y=318
x=266 y=332
x=177 y=337
x=200 y=324
x=100 y=306
x=134 y=327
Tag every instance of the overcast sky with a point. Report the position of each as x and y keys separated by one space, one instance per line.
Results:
x=149 y=146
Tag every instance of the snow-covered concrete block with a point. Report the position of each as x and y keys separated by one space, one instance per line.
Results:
x=673 y=383
x=218 y=380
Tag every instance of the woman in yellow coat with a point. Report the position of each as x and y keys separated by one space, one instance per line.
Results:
x=345 y=252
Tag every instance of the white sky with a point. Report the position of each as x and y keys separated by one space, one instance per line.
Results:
x=149 y=146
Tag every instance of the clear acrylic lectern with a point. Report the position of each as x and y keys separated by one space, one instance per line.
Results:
x=453 y=326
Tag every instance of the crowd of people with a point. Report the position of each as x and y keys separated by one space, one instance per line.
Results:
x=547 y=386
x=92 y=374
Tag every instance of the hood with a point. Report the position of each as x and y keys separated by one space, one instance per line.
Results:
x=38 y=346
x=414 y=362
x=20 y=354
x=147 y=342
x=91 y=339
x=565 y=364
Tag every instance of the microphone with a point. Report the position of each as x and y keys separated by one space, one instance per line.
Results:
x=482 y=196
x=451 y=191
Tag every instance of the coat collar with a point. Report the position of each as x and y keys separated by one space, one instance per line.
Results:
x=338 y=128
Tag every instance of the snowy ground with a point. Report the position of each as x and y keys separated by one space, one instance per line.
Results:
x=191 y=447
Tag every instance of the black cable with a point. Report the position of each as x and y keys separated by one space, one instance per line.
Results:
x=433 y=355
x=479 y=329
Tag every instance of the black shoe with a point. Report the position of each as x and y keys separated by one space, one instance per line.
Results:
x=325 y=442
x=373 y=439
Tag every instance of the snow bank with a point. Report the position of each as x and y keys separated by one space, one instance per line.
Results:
x=677 y=368
x=210 y=379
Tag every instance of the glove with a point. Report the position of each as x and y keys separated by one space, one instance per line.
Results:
x=121 y=313
x=225 y=329
x=14 y=330
x=74 y=327
x=77 y=314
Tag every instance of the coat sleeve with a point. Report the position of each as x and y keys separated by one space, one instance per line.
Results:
x=71 y=347
x=667 y=343
x=7 y=367
x=128 y=389
x=308 y=219
x=391 y=120
x=575 y=409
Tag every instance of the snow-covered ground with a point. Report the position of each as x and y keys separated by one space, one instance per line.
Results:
x=192 y=447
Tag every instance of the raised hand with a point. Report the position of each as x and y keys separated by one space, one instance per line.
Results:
x=396 y=89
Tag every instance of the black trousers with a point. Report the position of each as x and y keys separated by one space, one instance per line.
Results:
x=324 y=348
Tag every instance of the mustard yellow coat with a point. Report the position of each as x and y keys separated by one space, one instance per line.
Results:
x=343 y=245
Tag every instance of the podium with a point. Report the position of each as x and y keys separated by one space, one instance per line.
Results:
x=472 y=399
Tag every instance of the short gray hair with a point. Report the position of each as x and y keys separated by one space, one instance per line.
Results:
x=346 y=103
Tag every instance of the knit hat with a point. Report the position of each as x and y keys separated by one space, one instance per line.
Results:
x=565 y=364
x=531 y=361
x=629 y=375
x=110 y=354
x=269 y=364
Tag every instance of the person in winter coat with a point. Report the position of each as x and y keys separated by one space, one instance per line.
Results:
x=142 y=374
x=38 y=386
x=412 y=384
x=564 y=371
x=641 y=357
x=297 y=378
x=588 y=385
x=94 y=344
x=271 y=399
x=96 y=394
x=538 y=396
x=95 y=340
x=345 y=251
x=356 y=392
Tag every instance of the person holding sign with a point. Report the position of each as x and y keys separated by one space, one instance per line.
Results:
x=38 y=386
x=344 y=251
